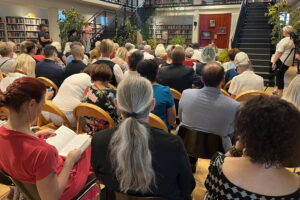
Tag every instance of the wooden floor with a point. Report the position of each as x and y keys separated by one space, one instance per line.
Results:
x=202 y=167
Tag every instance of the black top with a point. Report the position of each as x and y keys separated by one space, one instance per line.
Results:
x=219 y=187
x=73 y=39
x=49 y=69
x=174 y=179
x=74 y=67
x=111 y=64
x=178 y=77
x=45 y=35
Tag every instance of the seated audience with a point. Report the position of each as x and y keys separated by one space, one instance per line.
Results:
x=116 y=47
x=29 y=47
x=67 y=49
x=268 y=130
x=129 y=46
x=60 y=55
x=197 y=56
x=76 y=65
x=106 y=49
x=169 y=50
x=121 y=58
x=101 y=95
x=39 y=56
x=164 y=102
x=28 y=157
x=160 y=54
x=207 y=109
x=70 y=57
x=94 y=55
x=292 y=93
x=189 y=52
x=6 y=59
x=147 y=52
x=137 y=159
x=134 y=60
x=23 y=66
x=68 y=97
x=208 y=55
x=230 y=67
x=247 y=79
x=176 y=75
x=48 y=68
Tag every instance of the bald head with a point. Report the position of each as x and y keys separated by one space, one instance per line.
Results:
x=213 y=74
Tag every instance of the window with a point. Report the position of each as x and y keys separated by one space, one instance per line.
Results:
x=61 y=16
x=103 y=21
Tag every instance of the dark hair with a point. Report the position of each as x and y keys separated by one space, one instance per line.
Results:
x=42 y=25
x=134 y=60
x=72 y=31
x=39 y=49
x=148 y=69
x=269 y=128
x=232 y=53
x=213 y=74
x=178 y=55
x=27 y=46
x=100 y=72
x=49 y=51
x=22 y=90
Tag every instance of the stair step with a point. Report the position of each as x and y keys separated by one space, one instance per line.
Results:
x=259 y=56
x=254 y=40
x=258 y=68
x=261 y=62
x=257 y=26
x=254 y=35
x=257 y=8
x=265 y=75
x=257 y=22
x=254 y=45
x=256 y=50
x=256 y=31
x=255 y=14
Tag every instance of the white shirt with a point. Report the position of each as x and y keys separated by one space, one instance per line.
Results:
x=285 y=47
x=117 y=70
x=246 y=81
x=148 y=56
x=11 y=77
x=131 y=73
x=6 y=64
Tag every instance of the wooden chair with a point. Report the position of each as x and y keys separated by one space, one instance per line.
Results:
x=122 y=196
x=31 y=193
x=51 y=108
x=227 y=85
x=176 y=94
x=4 y=112
x=157 y=122
x=48 y=83
x=225 y=93
x=246 y=96
x=90 y=110
x=200 y=144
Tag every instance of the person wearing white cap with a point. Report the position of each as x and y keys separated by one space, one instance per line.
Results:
x=247 y=79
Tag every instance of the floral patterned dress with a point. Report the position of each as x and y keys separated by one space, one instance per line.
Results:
x=104 y=99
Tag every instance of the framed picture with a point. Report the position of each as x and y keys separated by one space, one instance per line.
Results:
x=212 y=23
x=221 y=30
x=205 y=35
x=164 y=35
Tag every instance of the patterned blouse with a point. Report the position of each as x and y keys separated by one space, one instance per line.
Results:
x=104 y=99
x=219 y=187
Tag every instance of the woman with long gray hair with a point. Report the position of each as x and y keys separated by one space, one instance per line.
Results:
x=136 y=159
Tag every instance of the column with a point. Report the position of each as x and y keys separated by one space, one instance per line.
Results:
x=53 y=24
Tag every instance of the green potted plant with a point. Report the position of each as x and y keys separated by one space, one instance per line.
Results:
x=178 y=40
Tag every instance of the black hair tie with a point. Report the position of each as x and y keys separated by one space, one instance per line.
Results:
x=133 y=115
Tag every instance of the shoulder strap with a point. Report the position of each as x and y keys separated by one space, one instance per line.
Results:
x=4 y=62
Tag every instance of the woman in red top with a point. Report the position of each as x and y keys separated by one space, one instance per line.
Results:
x=28 y=158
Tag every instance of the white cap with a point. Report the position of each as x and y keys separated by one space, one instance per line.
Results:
x=241 y=59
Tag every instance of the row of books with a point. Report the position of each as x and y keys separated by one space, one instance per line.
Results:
x=172 y=32
x=172 y=27
x=14 y=20
x=15 y=27
x=1 y=26
x=16 y=34
x=31 y=28
x=31 y=35
x=2 y=35
x=32 y=21
x=17 y=40
x=172 y=36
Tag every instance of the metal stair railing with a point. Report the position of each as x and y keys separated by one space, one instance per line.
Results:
x=240 y=23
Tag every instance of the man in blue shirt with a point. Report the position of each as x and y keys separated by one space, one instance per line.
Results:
x=43 y=36
x=49 y=68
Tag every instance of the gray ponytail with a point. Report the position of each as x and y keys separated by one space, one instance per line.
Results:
x=129 y=146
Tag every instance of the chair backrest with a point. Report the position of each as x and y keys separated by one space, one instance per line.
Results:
x=227 y=85
x=50 y=107
x=246 y=96
x=157 y=122
x=225 y=93
x=90 y=110
x=122 y=196
x=200 y=144
x=47 y=82
x=176 y=94
x=4 y=112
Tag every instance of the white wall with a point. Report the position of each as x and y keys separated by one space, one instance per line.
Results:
x=189 y=15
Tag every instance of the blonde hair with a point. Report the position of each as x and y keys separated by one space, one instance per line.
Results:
x=97 y=44
x=95 y=54
x=107 y=46
x=116 y=46
x=129 y=146
x=160 y=51
x=24 y=64
x=292 y=93
x=122 y=53
x=5 y=49
x=288 y=29
x=77 y=51
x=197 y=55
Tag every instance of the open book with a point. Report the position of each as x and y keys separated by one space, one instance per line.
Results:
x=67 y=140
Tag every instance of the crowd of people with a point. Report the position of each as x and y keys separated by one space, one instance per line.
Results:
x=260 y=137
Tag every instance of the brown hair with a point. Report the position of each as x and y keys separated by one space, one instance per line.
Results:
x=100 y=72
x=107 y=46
x=178 y=55
x=5 y=49
x=232 y=53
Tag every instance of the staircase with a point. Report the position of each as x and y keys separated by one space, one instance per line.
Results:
x=253 y=38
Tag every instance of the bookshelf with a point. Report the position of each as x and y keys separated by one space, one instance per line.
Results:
x=2 y=30
x=165 y=33
x=23 y=28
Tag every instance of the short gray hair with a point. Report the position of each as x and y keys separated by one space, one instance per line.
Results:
x=147 y=48
x=189 y=52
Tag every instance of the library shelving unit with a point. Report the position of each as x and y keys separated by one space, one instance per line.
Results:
x=23 y=28
x=2 y=30
x=165 y=33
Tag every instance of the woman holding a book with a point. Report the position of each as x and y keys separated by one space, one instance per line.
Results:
x=27 y=157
